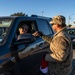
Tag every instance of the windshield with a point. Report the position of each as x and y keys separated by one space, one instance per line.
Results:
x=4 y=26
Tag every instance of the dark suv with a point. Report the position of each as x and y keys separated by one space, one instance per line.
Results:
x=22 y=56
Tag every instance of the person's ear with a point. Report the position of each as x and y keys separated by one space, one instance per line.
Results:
x=19 y=29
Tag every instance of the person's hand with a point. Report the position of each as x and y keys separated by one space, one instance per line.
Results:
x=37 y=33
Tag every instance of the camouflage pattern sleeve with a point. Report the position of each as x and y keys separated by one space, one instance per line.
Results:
x=47 y=38
x=59 y=48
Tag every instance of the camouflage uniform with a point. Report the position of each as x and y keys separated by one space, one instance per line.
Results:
x=61 y=56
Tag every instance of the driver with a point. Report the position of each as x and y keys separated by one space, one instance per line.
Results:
x=23 y=29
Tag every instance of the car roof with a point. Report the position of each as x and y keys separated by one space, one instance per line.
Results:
x=32 y=16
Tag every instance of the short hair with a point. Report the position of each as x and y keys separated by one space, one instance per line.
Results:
x=22 y=25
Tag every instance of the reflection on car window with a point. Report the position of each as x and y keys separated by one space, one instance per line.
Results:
x=4 y=26
x=43 y=26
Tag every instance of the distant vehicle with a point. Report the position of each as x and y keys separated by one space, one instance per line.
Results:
x=22 y=56
x=71 y=31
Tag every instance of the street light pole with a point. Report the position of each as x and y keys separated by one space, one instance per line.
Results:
x=42 y=13
x=69 y=19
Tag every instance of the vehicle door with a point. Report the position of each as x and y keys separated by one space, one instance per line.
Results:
x=27 y=55
x=31 y=55
x=36 y=50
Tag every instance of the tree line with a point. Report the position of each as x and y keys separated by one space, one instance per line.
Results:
x=19 y=14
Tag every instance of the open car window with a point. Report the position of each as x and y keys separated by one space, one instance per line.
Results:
x=31 y=26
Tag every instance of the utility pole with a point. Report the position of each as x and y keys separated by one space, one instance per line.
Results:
x=69 y=19
x=42 y=13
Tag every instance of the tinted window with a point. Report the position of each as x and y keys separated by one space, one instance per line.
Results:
x=44 y=27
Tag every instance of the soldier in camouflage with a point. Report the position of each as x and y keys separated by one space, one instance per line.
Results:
x=61 y=56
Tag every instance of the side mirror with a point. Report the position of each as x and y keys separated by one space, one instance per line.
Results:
x=24 y=39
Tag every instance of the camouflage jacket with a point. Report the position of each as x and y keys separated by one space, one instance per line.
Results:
x=61 y=56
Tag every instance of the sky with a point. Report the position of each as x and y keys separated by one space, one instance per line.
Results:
x=47 y=8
